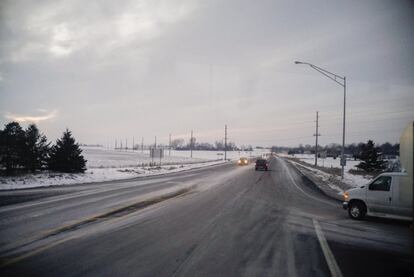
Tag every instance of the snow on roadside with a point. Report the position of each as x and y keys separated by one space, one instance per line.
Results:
x=328 y=162
x=47 y=179
x=352 y=180
x=334 y=181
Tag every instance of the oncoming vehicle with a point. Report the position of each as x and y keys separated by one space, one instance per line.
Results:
x=388 y=195
x=243 y=161
x=261 y=164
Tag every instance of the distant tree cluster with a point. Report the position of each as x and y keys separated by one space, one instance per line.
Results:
x=28 y=150
x=373 y=158
x=179 y=144
x=334 y=150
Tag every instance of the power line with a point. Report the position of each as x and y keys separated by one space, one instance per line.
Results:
x=306 y=123
x=354 y=114
x=367 y=131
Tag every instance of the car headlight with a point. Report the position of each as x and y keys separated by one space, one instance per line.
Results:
x=346 y=195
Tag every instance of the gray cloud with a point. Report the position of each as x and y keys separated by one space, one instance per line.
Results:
x=45 y=115
x=145 y=68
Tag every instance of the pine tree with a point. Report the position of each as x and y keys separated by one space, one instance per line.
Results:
x=66 y=156
x=11 y=146
x=370 y=156
x=36 y=149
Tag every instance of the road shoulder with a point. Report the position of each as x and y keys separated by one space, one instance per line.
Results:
x=327 y=184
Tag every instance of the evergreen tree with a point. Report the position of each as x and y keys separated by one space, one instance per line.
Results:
x=386 y=148
x=66 y=156
x=370 y=157
x=11 y=146
x=36 y=149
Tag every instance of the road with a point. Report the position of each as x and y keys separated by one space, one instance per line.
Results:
x=218 y=221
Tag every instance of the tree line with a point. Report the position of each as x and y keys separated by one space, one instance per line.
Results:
x=334 y=150
x=373 y=158
x=180 y=144
x=28 y=150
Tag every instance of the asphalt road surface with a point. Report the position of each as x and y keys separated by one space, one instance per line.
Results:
x=224 y=220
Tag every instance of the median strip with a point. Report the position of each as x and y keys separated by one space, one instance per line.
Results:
x=119 y=212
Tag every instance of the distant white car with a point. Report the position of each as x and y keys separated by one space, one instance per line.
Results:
x=388 y=195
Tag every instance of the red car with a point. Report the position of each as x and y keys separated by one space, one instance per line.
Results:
x=262 y=164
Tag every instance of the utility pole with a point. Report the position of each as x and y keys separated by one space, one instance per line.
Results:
x=152 y=151
x=169 y=147
x=225 y=142
x=191 y=144
x=126 y=144
x=142 y=145
x=116 y=146
x=133 y=143
x=316 y=141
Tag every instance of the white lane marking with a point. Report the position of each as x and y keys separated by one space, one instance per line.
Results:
x=305 y=193
x=329 y=257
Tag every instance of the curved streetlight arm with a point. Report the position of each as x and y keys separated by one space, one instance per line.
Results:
x=334 y=77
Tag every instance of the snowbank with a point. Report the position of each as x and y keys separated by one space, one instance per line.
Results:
x=46 y=179
x=330 y=183
x=352 y=180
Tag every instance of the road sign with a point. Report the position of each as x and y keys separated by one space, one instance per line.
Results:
x=156 y=153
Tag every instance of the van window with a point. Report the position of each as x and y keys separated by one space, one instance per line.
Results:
x=382 y=183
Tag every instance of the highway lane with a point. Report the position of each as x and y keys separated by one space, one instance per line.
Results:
x=58 y=207
x=233 y=222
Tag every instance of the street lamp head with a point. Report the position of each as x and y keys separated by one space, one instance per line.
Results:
x=298 y=62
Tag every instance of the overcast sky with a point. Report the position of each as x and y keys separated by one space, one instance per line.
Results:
x=116 y=69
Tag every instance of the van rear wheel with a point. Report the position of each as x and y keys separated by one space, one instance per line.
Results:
x=356 y=210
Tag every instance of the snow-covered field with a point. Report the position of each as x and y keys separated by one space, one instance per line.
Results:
x=101 y=158
x=329 y=162
x=109 y=165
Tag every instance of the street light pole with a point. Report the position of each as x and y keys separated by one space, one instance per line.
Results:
x=343 y=161
x=337 y=79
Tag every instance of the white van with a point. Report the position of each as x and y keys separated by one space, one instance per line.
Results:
x=388 y=195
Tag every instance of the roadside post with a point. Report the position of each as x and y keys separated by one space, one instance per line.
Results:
x=156 y=153
x=323 y=157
